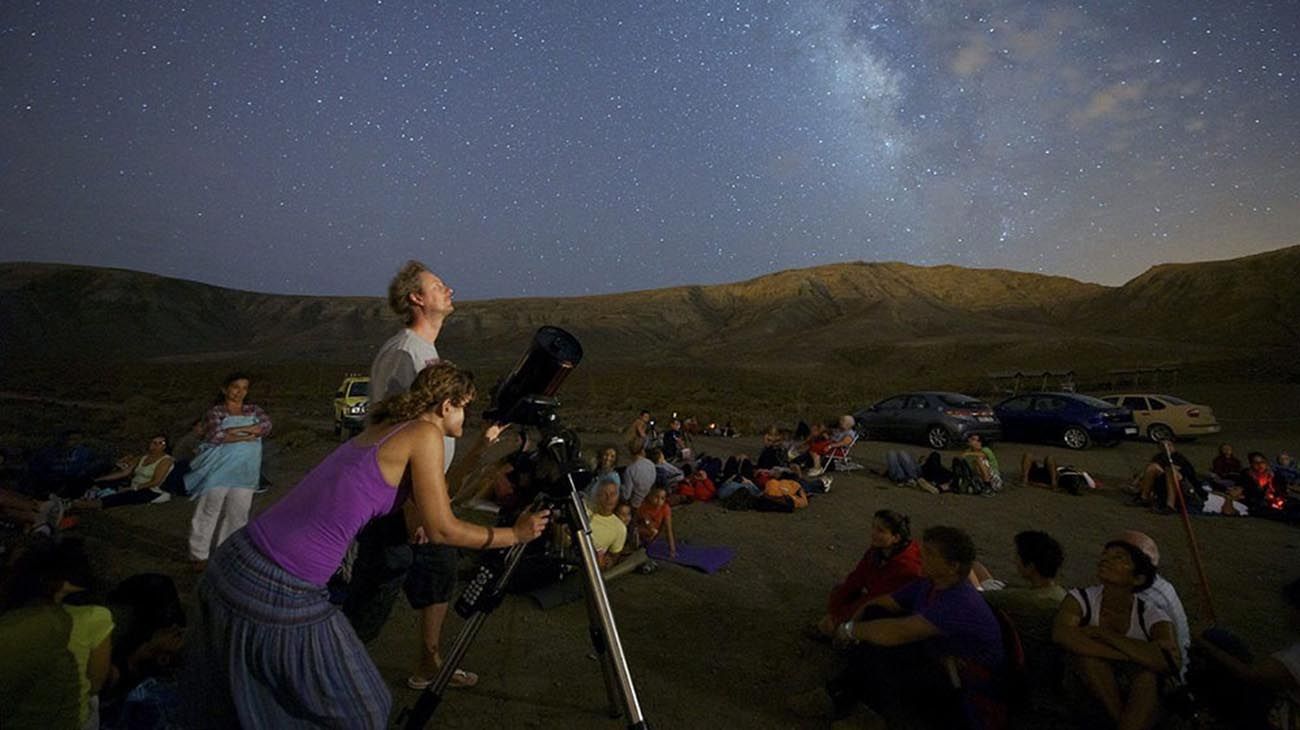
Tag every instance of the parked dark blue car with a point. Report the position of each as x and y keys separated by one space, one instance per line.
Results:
x=1068 y=419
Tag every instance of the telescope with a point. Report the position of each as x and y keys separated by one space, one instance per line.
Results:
x=526 y=396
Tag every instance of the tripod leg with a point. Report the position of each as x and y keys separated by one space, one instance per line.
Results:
x=604 y=614
x=432 y=695
x=594 y=630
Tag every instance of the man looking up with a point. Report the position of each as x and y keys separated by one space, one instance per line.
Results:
x=386 y=557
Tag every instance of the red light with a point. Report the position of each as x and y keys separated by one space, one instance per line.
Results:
x=959 y=412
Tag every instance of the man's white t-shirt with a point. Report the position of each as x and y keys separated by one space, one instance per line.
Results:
x=396 y=364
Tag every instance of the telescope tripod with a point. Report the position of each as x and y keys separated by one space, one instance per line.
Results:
x=486 y=592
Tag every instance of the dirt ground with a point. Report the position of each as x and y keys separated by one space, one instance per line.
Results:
x=725 y=650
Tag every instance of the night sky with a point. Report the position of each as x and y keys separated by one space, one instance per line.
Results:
x=557 y=148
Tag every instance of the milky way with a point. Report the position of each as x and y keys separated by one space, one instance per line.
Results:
x=573 y=148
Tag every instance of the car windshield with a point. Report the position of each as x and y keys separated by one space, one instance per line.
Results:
x=1088 y=400
x=960 y=401
x=359 y=389
x=1173 y=401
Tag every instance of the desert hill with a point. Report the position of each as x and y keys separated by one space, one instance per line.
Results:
x=858 y=314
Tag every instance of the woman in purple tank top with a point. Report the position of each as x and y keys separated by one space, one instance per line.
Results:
x=269 y=649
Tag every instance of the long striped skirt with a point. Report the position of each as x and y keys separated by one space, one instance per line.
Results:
x=268 y=650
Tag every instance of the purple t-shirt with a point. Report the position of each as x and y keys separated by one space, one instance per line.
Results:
x=309 y=529
x=967 y=627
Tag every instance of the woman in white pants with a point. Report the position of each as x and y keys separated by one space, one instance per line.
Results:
x=226 y=471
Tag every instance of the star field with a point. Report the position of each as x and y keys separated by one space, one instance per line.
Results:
x=571 y=148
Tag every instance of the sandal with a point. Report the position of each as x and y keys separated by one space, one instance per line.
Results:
x=459 y=678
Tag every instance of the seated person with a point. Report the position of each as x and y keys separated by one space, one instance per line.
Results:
x=667 y=475
x=696 y=487
x=40 y=677
x=1266 y=691
x=608 y=532
x=1031 y=606
x=1036 y=472
x=147 y=474
x=654 y=518
x=1265 y=492
x=983 y=462
x=639 y=475
x=1162 y=593
x=774 y=451
x=907 y=646
x=1152 y=483
x=1287 y=469
x=674 y=441
x=892 y=560
x=1226 y=468
x=605 y=469
x=1120 y=643
x=64 y=467
x=818 y=448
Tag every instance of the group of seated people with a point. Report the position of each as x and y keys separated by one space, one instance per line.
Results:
x=1258 y=488
x=925 y=631
x=81 y=654
x=807 y=449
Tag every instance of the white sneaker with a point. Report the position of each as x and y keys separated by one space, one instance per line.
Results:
x=162 y=498
x=816 y=472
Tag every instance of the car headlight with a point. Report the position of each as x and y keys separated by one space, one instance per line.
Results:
x=358 y=409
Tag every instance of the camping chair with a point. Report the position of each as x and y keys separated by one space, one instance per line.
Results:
x=837 y=459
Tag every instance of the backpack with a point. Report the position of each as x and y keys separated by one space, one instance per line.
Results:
x=1015 y=677
x=739 y=500
x=964 y=478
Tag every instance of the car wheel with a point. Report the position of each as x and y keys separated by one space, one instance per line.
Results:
x=938 y=437
x=1075 y=437
x=1160 y=432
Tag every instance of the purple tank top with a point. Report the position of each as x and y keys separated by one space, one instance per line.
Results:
x=308 y=531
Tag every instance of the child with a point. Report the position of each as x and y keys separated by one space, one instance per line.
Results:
x=655 y=515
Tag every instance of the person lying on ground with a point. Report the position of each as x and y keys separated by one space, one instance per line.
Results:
x=147 y=474
x=1121 y=644
x=929 y=475
x=31 y=514
x=1038 y=472
x=1266 y=691
x=654 y=518
x=905 y=645
x=892 y=560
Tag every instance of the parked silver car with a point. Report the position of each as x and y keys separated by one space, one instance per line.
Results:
x=935 y=418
